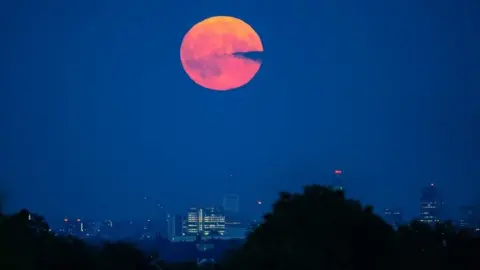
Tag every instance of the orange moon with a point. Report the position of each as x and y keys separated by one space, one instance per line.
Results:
x=209 y=53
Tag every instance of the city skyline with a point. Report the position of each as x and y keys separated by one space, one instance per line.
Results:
x=98 y=113
x=429 y=198
x=218 y=222
x=337 y=182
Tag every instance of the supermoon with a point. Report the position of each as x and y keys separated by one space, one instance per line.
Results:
x=210 y=53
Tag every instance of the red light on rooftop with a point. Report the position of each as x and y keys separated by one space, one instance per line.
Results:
x=337 y=172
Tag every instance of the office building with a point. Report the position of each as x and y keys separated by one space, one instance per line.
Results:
x=175 y=226
x=205 y=221
x=431 y=205
x=213 y=221
x=231 y=203
x=192 y=223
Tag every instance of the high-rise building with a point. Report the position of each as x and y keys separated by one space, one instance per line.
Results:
x=470 y=216
x=337 y=180
x=175 y=226
x=231 y=203
x=193 y=219
x=213 y=221
x=431 y=205
x=205 y=221
x=393 y=216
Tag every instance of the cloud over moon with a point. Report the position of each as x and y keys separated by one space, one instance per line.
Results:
x=210 y=53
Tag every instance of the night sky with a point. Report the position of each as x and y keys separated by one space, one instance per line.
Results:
x=96 y=111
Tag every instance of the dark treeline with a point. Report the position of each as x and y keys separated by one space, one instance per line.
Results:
x=318 y=229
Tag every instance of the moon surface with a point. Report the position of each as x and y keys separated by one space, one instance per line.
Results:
x=210 y=53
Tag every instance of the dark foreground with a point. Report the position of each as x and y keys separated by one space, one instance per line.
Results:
x=318 y=229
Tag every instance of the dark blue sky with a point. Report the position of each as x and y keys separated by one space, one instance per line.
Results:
x=97 y=113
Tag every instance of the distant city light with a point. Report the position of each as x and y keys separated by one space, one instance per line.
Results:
x=259 y=202
x=337 y=172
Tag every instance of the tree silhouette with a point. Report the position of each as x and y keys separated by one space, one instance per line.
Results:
x=321 y=229
x=318 y=229
x=27 y=243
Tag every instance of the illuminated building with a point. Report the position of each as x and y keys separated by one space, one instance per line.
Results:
x=393 y=217
x=430 y=205
x=337 y=180
x=205 y=221
x=213 y=221
x=231 y=203
x=193 y=221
